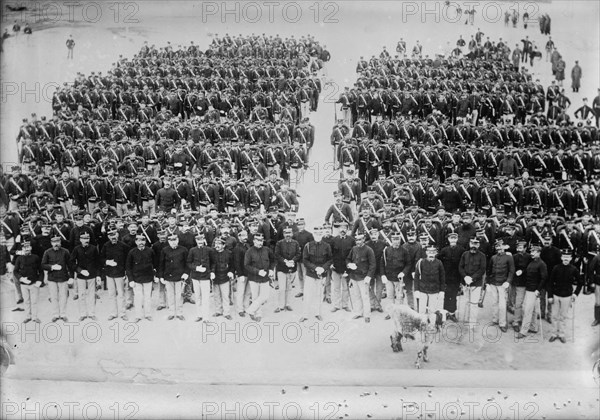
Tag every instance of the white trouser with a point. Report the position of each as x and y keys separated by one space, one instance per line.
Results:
x=242 y=294
x=142 y=299
x=468 y=308
x=30 y=298
x=174 y=297
x=285 y=281
x=339 y=290
x=360 y=298
x=116 y=295
x=221 y=298
x=202 y=295
x=313 y=296
x=560 y=313
x=498 y=296
x=394 y=291
x=430 y=302
x=58 y=296
x=519 y=297
x=530 y=313
x=87 y=296
x=260 y=295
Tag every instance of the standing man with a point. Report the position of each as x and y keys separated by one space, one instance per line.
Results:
x=287 y=255
x=70 y=46
x=56 y=261
x=28 y=270
x=450 y=258
x=414 y=250
x=199 y=265
x=551 y=255
x=221 y=274
x=576 y=75
x=84 y=262
x=139 y=267
x=362 y=264
x=521 y=260
x=472 y=268
x=395 y=266
x=113 y=257
x=172 y=270
x=341 y=245
x=560 y=288
x=376 y=289
x=259 y=262
x=242 y=297
x=596 y=108
x=536 y=276
x=303 y=237
x=317 y=258
x=501 y=272
x=430 y=282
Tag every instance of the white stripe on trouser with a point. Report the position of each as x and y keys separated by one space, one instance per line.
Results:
x=121 y=209
x=313 y=296
x=202 y=295
x=468 y=310
x=360 y=298
x=116 y=295
x=149 y=206
x=30 y=298
x=221 y=298
x=58 y=296
x=87 y=296
x=430 y=302
x=339 y=290
x=260 y=295
x=498 y=296
x=143 y=299
x=285 y=288
x=174 y=297
x=529 y=313
x=67 y=207
x=242 y=294
x=519 y=297
x=560 y=312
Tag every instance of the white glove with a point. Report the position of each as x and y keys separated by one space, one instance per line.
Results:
x=537 y=293
x=262 y=273
x=272 y=273
x=550 y=300
x=367 y=279
x=25 y=280
x=519 y=272
x=242 y=278
x=70 y=281
x=155 y=279
x=162 y=280
x=384 y=279
x=573 y=297
x=230 y=275
x=212 y=276
x=184 y=276
x=201 y=269
x=56 y=267
x=38 y=284
x=98 y=280
x=111 y=263
x=85 y=273
x=319 y=270
x=289 y=263
x=468 y=280
x=351 y=266
x=401 y=275
x=131 y=284
x=505 y=285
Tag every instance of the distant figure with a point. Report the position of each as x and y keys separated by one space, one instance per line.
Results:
x=560 y=71
x=16 y=28
x=576 y=75
x=70 y=46
x=549 y=48
x=27 y=30
x=525 y=19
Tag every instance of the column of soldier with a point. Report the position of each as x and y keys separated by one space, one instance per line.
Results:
x=165 y=171
x=458 y=183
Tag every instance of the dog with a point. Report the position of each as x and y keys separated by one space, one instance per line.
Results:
x=408 y=323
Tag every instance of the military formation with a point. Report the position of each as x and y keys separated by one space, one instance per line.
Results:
x=165 y=171
x=465 y=175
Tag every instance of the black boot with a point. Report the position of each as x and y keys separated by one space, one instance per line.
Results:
x=596 y=316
